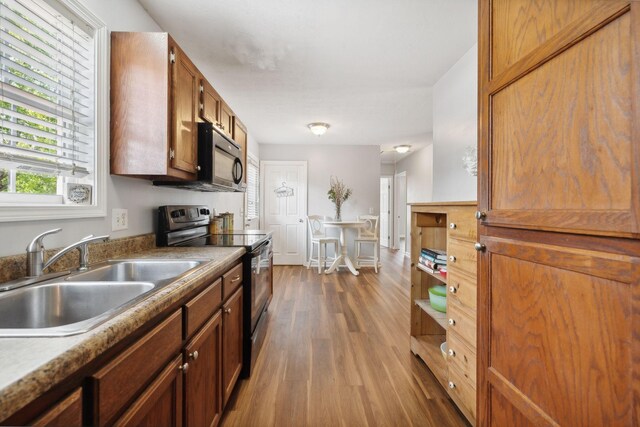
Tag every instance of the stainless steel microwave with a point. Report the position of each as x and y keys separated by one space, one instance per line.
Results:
x=219 y=159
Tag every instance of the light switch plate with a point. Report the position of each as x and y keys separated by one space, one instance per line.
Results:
x=119 y=219
x=370 y=211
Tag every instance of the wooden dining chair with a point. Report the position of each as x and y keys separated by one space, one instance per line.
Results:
x=368 y=235
x=319 y=237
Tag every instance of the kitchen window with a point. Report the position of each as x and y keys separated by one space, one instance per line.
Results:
x=253 y=187
x=53 y=110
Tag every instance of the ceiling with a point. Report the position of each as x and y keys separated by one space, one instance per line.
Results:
x=364 y=66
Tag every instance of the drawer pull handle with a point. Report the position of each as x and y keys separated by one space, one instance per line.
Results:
x=479 y=247
x=235 y=279
x=452 y=258
x=453 y=289
x=452 y=353
x=194 y=355
x=184 y=368
x=227 y=310
x=481 y=215
x=453 y=226
x=452 y=385
x=452 y=322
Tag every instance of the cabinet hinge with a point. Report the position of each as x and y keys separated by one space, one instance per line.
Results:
x=201 y=106
x=172 y=57
x=172 y=154
x=201 y=89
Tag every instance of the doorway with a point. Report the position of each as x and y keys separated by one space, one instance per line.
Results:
x=386 y=206
x=400 y=211
x=284 y=209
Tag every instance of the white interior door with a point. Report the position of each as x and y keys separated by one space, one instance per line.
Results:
x=385 y=211
x=400 y=211
x=284 y=211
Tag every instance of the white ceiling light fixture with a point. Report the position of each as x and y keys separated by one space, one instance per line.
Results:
x=318 y=128
x=402 y=148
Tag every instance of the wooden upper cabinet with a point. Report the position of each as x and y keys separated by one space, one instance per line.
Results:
x=154 y=101
x=185 y=91
x=240 y=137
x=563 y=98
x=210 y=103
x=226 y=119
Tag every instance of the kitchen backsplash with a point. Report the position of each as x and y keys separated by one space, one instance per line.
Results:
x=15 y=266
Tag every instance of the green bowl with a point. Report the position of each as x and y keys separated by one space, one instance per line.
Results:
x=438 y=298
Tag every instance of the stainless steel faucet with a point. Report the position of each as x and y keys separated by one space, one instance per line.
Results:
x=35 y=252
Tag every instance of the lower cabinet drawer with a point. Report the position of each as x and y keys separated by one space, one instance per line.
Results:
x=201 y=307
x=462 y=288
x=231 y=280
x=120 y=380
x=462 y=255
x=463 y=393
x=461 y=357
x=66 y=413
x=462 y=321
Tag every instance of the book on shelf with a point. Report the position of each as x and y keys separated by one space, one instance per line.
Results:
x=424 y=258
x=427 y=269
x=438 y=254
x=428 y=263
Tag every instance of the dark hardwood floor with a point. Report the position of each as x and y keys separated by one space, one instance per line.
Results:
x=337 y=354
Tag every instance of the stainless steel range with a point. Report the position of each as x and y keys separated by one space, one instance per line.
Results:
x=188 y=225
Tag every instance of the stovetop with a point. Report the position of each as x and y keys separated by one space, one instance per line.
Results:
x=188 y=225
x=249 y=239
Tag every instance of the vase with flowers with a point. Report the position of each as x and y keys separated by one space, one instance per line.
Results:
x=338 y=193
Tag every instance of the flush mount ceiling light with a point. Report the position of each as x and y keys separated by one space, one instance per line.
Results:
x=402 y=148
x=318 y=128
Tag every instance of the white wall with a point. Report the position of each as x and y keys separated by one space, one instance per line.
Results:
x=358 y=166
x=136 y=195
x=455 y=126
x=387 y=169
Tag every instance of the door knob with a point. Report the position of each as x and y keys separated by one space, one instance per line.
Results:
x=479 y=247
x=481 y=215
x=300 y=220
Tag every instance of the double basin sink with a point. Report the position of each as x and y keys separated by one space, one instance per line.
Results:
x=81 y=301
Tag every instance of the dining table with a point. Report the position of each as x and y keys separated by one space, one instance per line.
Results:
x=344 y=255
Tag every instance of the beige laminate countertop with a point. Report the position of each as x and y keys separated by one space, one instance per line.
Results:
x=31 y=366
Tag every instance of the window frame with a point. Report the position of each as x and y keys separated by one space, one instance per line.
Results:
x=40 y=211
x=253 y=159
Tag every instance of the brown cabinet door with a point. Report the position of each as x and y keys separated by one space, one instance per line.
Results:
x=203 y=382
x=67 y=413
x=210 y=107
x=559 y=164
x=160 y=404
x=226 y=119
x=240 y=137
x=185 y=88
x=231 y=343
x=559 y=116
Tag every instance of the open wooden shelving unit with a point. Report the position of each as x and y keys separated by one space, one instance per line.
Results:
x=434 y=226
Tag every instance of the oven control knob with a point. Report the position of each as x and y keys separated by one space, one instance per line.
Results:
x=204 y=212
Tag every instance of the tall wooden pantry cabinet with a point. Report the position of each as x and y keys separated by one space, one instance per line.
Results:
x=559 y=211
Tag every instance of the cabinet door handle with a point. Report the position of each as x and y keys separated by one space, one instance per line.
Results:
x=452 y=385
x=453 y=226
x=452 y=353
x=227 y=310
x=481 y=215
x=235 y=279
x=194 y=355
x=452 y=258
x=479 y=247
x=452 y=322
x=452 y=289
x=184 y=368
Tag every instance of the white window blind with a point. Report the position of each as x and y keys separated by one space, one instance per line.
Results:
x=47 y=93
x=253 y=174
